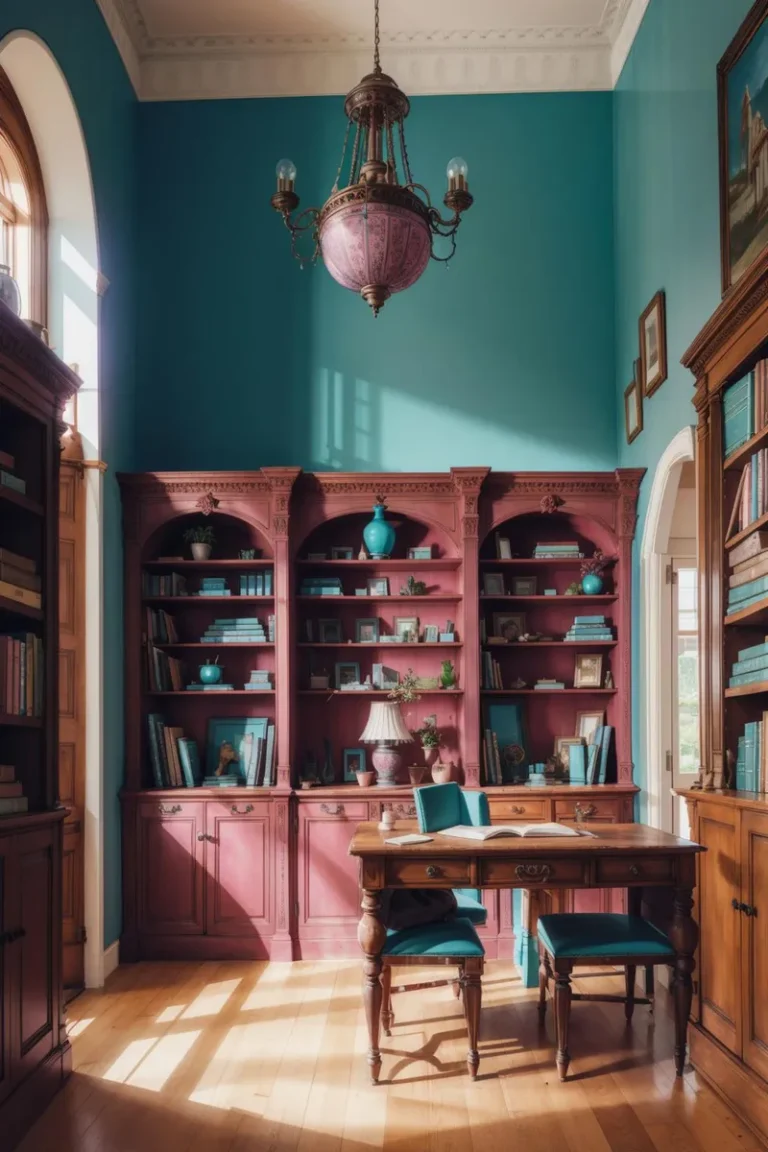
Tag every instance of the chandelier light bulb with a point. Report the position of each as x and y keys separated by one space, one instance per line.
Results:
x=286 y=172
x=457 y=172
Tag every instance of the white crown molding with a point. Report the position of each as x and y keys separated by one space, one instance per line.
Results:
x=438 y=62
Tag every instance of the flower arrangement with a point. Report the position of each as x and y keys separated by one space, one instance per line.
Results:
x=406 y=692
x=429 y=735
x=596 y=564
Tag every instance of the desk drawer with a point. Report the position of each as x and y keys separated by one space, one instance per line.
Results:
x=620 y=872
x=600 y=811
x=428 y=873
x=535 y=873
x=507 y=811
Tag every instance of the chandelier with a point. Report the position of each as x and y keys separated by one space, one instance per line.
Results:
x=375 y=234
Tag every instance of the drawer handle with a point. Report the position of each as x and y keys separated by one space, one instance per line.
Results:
x=433 y=872
x=749 y=910
x=205 y=836
x=332 y=809
x=518 y=810
x=535 y=872
x=737 y=905
x=583 y=814
x=169 y=809
x=236 y=811
x=634 y=870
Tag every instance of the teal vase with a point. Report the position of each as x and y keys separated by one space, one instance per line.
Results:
x=210 y=673
x=378 y=534
x=591 y=584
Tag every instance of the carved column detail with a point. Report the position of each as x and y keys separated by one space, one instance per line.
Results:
x=628 y=481
x=468 y=483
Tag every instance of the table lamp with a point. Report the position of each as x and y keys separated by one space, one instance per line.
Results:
x=386 y=728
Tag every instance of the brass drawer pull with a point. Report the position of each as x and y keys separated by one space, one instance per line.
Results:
x=205 y=836
x=433 y=872
x=583 y=814
x=169 y=809
x=634 y=870
x=332 y=809
x=518 y=810
x=235 y=810
x=533 y=872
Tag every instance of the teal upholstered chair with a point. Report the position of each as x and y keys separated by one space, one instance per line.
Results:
x=604 y=938
x=442 y=806
x=453 y=942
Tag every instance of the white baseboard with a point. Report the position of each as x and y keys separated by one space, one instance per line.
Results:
x=111 y=958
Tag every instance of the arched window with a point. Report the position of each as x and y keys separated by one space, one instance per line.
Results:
x=23 y=214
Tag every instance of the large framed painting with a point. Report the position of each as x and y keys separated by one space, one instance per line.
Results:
x=742 y=88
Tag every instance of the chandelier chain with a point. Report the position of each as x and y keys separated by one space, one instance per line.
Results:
x=376 y=60
x=404 y=150
x=391 y=151
x=355 y=155
x=341 y=161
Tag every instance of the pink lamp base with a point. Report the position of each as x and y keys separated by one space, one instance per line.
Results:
x=386 y=760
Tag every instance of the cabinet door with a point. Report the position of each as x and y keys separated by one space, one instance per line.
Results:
x=720 y=924
x=9 y=919
x=34 y=1001
x=171 y=842
x=238 y=879
x=329 y=892
x=754 y=936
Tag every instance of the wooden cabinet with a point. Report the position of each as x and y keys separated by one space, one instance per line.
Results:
x=729 y=1041
x=171 y=855
x=238 y=869
x=8 y=913
x=33 y=1005
x=328 y=890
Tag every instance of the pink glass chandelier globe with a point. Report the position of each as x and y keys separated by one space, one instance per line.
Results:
x=383 y=244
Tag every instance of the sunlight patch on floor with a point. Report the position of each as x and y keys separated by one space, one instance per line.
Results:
x=211 y=1000
x=79 y=1027
x=171 y=1013
x=128 y=1060
x=162 y=1061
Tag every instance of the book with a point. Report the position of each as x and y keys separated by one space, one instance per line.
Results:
x=750 y=571
x=7 y=461
x=190 y=761
x=269 y=758
x=19 y=577
x=490 y=831
x=7 y=790
x=23 y=595
x=7 y=773
x=8 y=480
x=409 y=838
x=738 y=413
x=13 y=805
x=17 y=561
x=756 y=542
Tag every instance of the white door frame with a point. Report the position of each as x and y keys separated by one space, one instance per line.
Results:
x=654 y=675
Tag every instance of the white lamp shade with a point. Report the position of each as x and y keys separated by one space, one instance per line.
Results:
x=385 y=723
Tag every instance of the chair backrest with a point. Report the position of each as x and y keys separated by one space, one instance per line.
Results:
x=443 y=805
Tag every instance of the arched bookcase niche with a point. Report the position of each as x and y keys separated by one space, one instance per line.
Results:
x=345 y=635
x=527 y=598
x=186 y=604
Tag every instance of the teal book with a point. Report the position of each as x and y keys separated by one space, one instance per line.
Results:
x=742 y=604
x=154 y=750
x=747 y=591
x=756 y=650
x=577 y=760
x=190 y=761
x=750 y=752
x=605 y=748
x=738 y=413
x=269 y=760
x=753 y=665
x=741 y=783
x=756 y=677
x=593 y=757
x=8 y=480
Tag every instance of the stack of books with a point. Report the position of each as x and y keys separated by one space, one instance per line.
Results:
x=167 y=584
x=12 y=800
x=597 y=755
x=548 y=685
x=493 y=770
x=748 y=582
x=558 y=550
x=235 y=630
x=161 y=627
x=751 y=666
x=21 y=675
x=271 y=628
x=7 y=477
x=752 y=498
x=256 y=583
x=174 y=757
x=260 y=681
x=19 y=579
x=219 y=687
x=491 y=672
x=745 y=408
x=165 y=672
x=589 y=628
x=751 y=775
x=214 y=586
x=226 y=780
x=321 y=586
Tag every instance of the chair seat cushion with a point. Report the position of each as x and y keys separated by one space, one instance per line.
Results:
x=590 y=935
x=454 y=937
x=470 y=906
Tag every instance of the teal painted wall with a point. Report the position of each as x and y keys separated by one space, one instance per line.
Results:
x=77 y=36
x=667 y=216
x=506 y=358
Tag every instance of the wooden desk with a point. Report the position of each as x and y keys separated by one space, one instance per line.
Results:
x=619 y=855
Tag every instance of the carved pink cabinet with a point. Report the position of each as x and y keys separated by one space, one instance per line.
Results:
x=329 y=895
x=238 y=869
x=170 y=875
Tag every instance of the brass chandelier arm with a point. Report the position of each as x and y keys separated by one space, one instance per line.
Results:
x=296 y=229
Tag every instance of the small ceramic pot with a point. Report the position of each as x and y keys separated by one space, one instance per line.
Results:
x=441 y=773
x=210 y=673
x=591 y=584
x=365 y=779
x=430 y=756
x=416 y=774
x=201 y=551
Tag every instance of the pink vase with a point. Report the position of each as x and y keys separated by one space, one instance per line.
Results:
x=387 y=762
x=430 y=756
x=441 y=773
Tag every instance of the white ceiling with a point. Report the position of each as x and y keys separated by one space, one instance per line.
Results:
x=198 y=49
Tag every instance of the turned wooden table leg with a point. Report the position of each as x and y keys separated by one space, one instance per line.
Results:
x=371 y=935
x=472 y=988
x=684 y=936
x=562 y=1015
x=387 y=1015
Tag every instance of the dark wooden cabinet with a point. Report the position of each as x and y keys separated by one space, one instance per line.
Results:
x=7 y=919
x=719 y=969
x=754 y=941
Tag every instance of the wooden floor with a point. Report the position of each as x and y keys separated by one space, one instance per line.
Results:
x=228 y=1057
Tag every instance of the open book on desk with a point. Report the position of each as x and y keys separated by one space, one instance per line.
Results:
x=487 y=831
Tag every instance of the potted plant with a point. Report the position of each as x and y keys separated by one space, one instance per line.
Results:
x=407 y=691
x=201 y=539
x=592 y=573
x=430 y=740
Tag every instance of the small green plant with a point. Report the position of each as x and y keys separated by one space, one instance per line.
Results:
x=406 y=692
x=413 y=587
x=429 y=735
x=200 y=534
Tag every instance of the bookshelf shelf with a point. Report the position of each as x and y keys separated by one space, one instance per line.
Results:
x=750 y=528
x=373 y=692
x=747 y=690
x=198 y=644
x=21 y=501
x=755 y=615
x=390 y=647
x=207 y=600
x=548 y=692
x=439 y=564
x=434 y=598
x=204 y=565
x=603 y=598
x=575 y=644
x=541 y=562
x=21 y=721
x=742 y=455
x=195 y=695
x=16 y=608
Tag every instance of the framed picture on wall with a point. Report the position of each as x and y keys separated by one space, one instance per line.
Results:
x=653 y=345
x=633 y=411
x=742 y=99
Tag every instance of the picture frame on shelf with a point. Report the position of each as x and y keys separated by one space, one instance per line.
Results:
x=342 y=554
x=346 y=672
x=407 y=627
x=509 y=625
x=319 y=681
x=424 y=552
x=431 y=634
x=232 y=731
x=524 y=585
x=563 y=745
x=493 y=584
x=633 y=411
x=329 y=631
x=503 y=547
x=309 y=628
x=367 y=631
x=378 y=586
x=317 y=556
x=587 y=724
x=653 y=345
x=385 y=678
x=354 y=762
x=588 y=672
